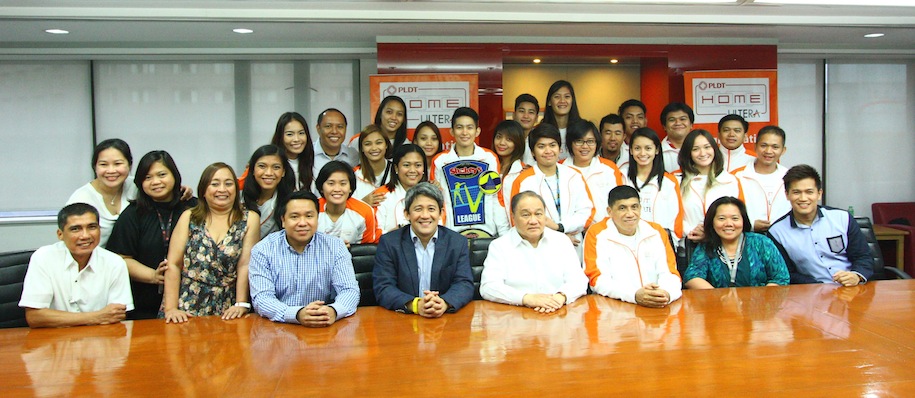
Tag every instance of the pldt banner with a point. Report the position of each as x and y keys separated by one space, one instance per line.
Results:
x=748 y=93
x=432 y=97
x=467 y=199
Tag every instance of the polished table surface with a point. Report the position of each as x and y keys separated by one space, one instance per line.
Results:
x=803 y=340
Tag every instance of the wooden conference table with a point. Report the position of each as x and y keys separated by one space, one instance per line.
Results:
x=812 y=340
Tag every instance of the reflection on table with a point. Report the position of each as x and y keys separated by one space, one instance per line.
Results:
x=802 y=339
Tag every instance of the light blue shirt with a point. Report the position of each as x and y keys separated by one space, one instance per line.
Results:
x=283 y=281
x=424 y=256
x=832 y=243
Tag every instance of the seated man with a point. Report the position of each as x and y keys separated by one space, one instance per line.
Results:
x=820 y=244
x=628 y=258
x=298 y=275
x=532 y=265
x=60 y=291
x=423 y=268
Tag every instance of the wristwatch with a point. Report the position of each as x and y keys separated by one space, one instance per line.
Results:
x=561 y=228
x=243 y=304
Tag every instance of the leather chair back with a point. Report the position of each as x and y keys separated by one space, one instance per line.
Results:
x=363 y=264
x=479 y=248
x=13 y=266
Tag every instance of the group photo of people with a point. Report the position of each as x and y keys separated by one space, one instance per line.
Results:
x=571 y=206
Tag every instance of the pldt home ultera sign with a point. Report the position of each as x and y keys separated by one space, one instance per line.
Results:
x=748 y=93
x=431 y=97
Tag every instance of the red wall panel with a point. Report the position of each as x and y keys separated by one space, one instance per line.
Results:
x=662 y=66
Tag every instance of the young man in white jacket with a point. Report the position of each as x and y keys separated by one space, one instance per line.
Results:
x=630 y=259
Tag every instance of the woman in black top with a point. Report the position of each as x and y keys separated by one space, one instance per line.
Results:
x=144 y=229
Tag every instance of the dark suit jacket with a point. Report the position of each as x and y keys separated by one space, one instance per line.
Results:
x=396 y=274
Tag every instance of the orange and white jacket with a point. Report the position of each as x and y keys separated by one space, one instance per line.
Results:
x=663 y=204
x=762 y=205
x=574 y=197
x=601 y=176
x=616 y=271
x=389 y=212
x=697 y=198
x=737 y=158
x=356 y=225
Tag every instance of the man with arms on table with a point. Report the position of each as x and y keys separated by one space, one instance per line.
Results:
x=532 y=265
x=423 y=268
x=74 y=282
x=298 y=275
x=820 y=244
x=628 y=258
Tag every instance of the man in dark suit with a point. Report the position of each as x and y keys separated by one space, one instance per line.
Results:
x=423 y=268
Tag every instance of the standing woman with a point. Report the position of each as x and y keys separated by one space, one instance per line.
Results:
x=410 y=168
x=561 y=110
x=108 y=193
x=391 y=119
x=292 y=134
x=508 y=144
x=143 y=230
x=429 y=138
x=732 y=256
x=374 y=169
x=704 y=180
x=601 y=175
x=208 y=254
x=659 y=190
x=268 y=184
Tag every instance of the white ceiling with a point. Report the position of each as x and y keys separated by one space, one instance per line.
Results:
x=330 y=28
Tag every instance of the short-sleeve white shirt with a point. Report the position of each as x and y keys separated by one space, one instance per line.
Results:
x=54 y=281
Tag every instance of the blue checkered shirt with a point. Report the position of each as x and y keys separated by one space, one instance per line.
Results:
x=283 y=280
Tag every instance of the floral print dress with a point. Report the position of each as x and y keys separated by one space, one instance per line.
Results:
x=211 y=270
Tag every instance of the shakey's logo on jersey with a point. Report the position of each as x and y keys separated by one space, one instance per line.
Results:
x=465 y=170
x=467 y=197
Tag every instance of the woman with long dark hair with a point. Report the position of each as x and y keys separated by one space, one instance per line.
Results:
x=268 y=184
x=659 y=190
x=409 y=168
x=292 y=134
x=561 y=110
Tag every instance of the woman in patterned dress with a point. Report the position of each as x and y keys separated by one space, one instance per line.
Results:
x=208 y=254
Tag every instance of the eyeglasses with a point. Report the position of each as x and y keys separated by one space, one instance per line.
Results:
x=583 y=142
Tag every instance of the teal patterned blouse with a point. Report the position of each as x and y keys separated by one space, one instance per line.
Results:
x=761 y=264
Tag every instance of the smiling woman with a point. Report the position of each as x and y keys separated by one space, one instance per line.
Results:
x=207 y=269
x=111 y=161
x=268 y=185
x=143 y=230
x=731 y=255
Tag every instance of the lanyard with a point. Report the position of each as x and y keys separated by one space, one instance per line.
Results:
x=165 y=228
x=555 y=194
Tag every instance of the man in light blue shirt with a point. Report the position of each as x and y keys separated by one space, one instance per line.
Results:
x=820 y=244
x=301 y=276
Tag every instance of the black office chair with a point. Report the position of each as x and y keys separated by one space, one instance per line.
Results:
x=12 y=274
x=479 y=248
x=363 y=264
x=881 y=271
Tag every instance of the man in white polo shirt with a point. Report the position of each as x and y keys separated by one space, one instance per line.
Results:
x=74 y=282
